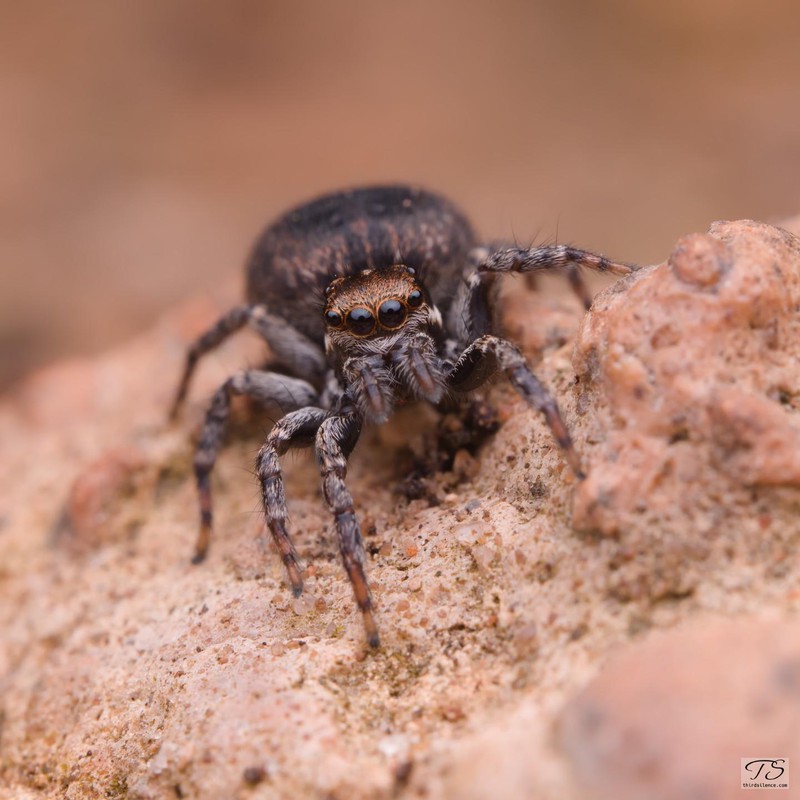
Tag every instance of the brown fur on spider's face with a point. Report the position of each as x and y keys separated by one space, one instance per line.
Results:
x=381 y=334
x=373 y=303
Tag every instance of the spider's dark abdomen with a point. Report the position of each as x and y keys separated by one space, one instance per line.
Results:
x=340 y=234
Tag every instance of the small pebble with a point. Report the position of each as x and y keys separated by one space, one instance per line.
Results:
x=468 y=533
x=453 y=713
x=254 y=775
x=303 y=604
x=483 y=556
x=526 y=639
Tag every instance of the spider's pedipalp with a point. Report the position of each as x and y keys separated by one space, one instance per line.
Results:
x=371 y=385
x=418 y=367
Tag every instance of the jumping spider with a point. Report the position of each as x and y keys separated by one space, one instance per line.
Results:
x=368 y=299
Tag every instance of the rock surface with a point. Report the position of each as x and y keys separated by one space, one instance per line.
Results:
x=502 y=590
x=674 y=716
x=691 y=374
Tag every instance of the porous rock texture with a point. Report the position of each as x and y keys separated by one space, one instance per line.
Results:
x=633 y=635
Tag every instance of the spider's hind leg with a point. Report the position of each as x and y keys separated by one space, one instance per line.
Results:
x=575 y=280
x=301 y=356
x=578 y=286
x=547 y=258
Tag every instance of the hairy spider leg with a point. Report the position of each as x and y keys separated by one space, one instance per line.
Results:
x=578 y=286
x=574 y=277
x=472 y=324
x=336 y=438
x=551 y=257
x=298 y=353
x=298 y=429
x=484 y=357
x=269 y=388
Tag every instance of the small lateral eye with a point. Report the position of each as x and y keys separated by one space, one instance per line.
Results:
x=333 y=318
x=392 y=313
x=360 y=321
x=414 y=298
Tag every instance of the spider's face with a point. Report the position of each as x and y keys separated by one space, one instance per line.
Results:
x=381 y=332
x=374 y=308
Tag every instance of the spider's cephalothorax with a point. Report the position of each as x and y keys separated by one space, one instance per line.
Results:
x=408 y=314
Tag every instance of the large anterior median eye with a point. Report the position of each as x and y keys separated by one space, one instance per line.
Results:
x=392 y=313
x=360 y=321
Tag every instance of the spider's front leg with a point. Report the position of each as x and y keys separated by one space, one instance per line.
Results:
x=297 y=429
x=336 y=438
x=488 y=354
x=270 y=389
x=472 y=325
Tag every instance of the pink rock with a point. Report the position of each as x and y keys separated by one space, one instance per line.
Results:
x=691 y=375
x=672 y=717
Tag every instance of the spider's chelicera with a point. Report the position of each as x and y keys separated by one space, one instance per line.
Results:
x=409 y=299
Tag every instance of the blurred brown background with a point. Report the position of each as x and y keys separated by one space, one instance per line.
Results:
x=143 y=145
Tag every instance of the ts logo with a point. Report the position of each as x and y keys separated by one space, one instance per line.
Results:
x=766 y=769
